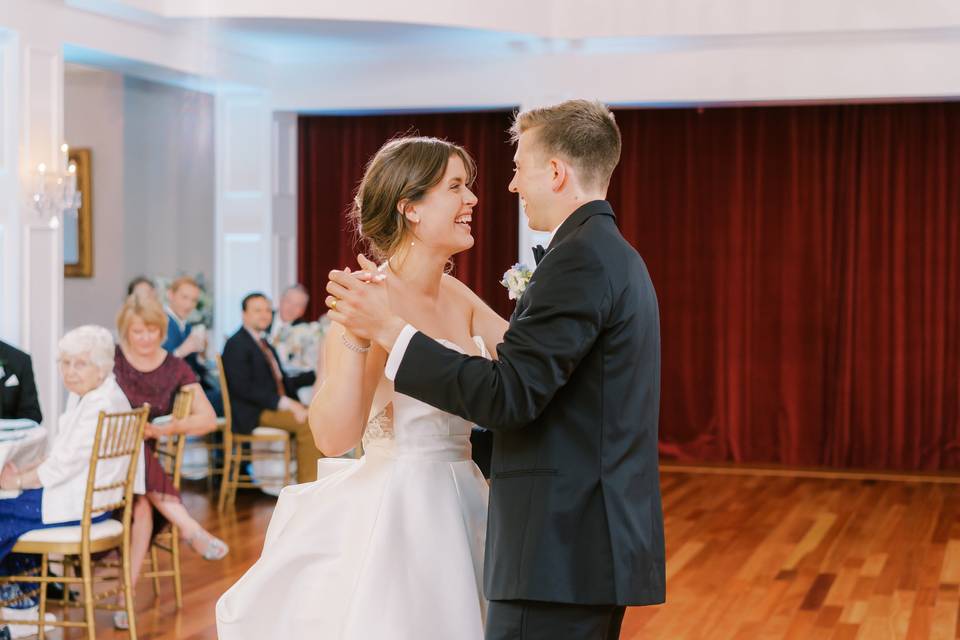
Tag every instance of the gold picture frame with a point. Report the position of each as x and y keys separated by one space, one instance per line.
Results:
x=78 y=225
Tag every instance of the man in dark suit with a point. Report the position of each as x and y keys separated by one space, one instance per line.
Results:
x=575 y=530
x=261 y=394
x=18 y=391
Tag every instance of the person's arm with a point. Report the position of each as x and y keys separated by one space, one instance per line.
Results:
x=238 y=366
x=341 y=407
x=70 y=455
x=202 y=418
x=570 y=296
x=14 y=479
x=29 y=402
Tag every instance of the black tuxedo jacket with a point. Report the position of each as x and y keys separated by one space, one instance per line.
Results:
x=575 y=513
x=18 y=396
x=250 y=380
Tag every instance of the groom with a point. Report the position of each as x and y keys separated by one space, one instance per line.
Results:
x=575 y=530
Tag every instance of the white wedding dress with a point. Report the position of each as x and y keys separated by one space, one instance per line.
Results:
x=388 y=547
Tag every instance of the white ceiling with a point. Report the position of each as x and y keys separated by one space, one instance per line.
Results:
x=562 y=19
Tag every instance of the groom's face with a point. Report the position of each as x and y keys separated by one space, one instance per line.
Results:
x=533 y=180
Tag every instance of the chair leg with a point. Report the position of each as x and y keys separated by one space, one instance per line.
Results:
x=86 y=571
x=286 y=463
x=206 y=446
x=237 y=466
x=225 y=478
x=42 y=631
x=235 y=463
x=155 y=566
x=66 y=587
x=128 y=588
x=175 y=561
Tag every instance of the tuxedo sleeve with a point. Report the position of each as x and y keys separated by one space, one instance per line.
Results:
x=29 y=402
x=569 y=296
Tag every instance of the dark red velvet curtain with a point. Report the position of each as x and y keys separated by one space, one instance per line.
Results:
x=807 y=262
x=333 y=151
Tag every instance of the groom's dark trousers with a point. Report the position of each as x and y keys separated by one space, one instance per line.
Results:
x=575 y=530
x=520 y=620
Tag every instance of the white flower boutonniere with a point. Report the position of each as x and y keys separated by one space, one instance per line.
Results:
x=515 y=279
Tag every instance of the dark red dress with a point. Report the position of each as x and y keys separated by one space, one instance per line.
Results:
x=158 y=387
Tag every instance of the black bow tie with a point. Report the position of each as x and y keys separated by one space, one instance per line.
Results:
x=538 y=253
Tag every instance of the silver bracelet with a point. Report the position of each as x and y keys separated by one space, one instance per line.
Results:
x=356 y=348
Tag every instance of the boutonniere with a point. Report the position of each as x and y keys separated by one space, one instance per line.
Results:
x=515 y=279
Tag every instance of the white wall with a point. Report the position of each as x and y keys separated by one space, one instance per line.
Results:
x=93 y=118
x=153 y=185
x=31 y=250
x=169 y=180
x=284 y=201
x=9 y=190
x=244 y=237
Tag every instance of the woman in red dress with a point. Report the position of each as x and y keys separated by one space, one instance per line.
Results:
x=147 y=373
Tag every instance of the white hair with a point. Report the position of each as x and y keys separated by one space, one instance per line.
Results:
x=299 y=288
x=92 y=340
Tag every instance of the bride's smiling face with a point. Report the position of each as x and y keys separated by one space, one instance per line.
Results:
x=442 y=218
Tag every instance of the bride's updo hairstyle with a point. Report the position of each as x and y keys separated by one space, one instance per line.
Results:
x=403 y=169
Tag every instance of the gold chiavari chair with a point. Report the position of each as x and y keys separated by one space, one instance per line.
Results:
x=170 y=453
x=234 y=453
x=118 y=437
x=212 y=445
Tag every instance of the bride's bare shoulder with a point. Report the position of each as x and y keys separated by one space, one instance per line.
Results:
x=452 y=285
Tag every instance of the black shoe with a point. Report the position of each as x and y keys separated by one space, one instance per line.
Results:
x=55 y=592
x=4 y=633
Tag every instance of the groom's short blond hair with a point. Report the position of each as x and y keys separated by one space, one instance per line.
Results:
x=582 y=132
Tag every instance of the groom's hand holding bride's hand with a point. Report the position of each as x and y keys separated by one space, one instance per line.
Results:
x=358 y=301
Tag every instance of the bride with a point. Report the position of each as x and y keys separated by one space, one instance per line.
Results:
x=390 y=546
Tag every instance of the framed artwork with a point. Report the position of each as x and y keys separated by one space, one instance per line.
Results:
x=78 y=224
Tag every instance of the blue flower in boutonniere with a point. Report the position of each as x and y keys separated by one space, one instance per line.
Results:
x=515 y=279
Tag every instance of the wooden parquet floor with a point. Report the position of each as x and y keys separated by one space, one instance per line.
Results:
x=749 y=558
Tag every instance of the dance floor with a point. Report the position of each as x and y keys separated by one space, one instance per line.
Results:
x=749 y=557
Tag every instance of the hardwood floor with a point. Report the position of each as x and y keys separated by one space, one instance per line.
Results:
x=750 y=557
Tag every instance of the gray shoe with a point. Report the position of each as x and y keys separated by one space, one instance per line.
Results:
x=213 y=548
x=120 y=620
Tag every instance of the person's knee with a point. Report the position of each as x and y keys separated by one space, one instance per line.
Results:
x=142 y=509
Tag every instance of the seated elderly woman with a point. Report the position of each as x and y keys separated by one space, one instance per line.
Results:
x=52 y=489
x=147 y=373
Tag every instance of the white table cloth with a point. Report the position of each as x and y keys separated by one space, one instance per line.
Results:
x=22 y=447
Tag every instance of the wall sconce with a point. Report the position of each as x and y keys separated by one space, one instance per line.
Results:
x=51 y=192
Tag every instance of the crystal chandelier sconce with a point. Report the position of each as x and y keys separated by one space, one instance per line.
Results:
x=53 y=192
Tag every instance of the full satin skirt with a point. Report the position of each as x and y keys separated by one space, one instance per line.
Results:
x=384 y=547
